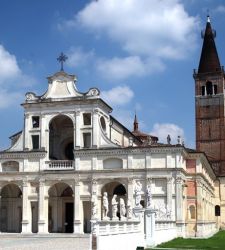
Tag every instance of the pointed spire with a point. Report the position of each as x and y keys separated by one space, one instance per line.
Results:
x=209 y=61
x=135 y=123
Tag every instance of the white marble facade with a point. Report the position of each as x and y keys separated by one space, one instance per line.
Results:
x=71 y=150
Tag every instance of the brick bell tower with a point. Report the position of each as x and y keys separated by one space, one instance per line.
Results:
x=209 y=103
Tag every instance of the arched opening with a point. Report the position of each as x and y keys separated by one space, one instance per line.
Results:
x=209 y=88
x=11 y=209
x=61 y=208
x=215 y=89
x=217 y=210
x=61 y=138
x=203 y=90
x=192 y=212
x=114 y=188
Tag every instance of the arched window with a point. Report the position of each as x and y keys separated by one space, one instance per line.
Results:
x=209 y=88
x=203 y=90
x=192 y=212
x=215 y=89
x=217 y=210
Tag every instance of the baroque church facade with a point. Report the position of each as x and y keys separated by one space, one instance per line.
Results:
x=73 y=163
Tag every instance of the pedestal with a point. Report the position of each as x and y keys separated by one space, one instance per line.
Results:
x=77 y=227
x=150 y=226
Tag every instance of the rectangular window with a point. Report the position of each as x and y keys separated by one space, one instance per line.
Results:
x=87 y=118
x=87 y=140
x=35 y=121
x=35 y=141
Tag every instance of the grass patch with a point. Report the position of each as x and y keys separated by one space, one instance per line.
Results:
x=215 y=242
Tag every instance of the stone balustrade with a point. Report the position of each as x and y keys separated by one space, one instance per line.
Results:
x=116 y=227
x=59 y=165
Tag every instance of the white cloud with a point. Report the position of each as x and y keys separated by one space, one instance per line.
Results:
x=122 y=68
x=9 y=98
x=154 y=28
x=12 y=80
x=164 y=129
x=9 y=68
x=219 y=9
x=149 y=31
x=120 y=95
x=78 y=57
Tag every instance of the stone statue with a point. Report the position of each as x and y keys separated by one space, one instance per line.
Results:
x=178 y=140
x=149 y=196
x=122 y=209
x=94 y=207
x=105 y=208
x=114 y=208
x=137 y=193
x=129 y=210
x=168 y=139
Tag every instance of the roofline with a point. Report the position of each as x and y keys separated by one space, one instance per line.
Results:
x=114 y=119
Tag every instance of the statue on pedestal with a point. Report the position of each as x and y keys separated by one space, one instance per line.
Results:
x=94 y=207
x=105 y=208
x=138 y=192
x=122 y=209
x=114 y=208
x=149 y=197
x=129 y=210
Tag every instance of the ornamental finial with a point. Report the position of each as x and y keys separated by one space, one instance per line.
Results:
x=208 y=16
x=62 y=58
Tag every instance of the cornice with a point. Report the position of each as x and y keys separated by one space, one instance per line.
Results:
x=22 y=155
x=128 y=150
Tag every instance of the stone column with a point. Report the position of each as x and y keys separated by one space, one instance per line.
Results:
x=95 y=126
x=77 y=130
x=42 y=209
x=77 y=220
x=26 y=210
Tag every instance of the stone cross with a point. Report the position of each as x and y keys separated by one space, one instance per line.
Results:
x=62 y=58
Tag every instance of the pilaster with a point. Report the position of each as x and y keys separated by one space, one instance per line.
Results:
x=26 y=211
x=95 y=126
x=77 y=220
x=169 y=192
x=77 y=129
x=42 y=209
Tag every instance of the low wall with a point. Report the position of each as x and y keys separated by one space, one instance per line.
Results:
x=165 y=231
x=206 y=229
x=128 y=241
x=117 y=235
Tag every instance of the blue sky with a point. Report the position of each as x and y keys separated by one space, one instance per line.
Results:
x=139 y=53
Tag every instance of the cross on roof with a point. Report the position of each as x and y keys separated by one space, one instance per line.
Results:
x=62 y=58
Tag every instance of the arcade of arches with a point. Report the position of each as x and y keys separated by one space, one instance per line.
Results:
x=22 y=213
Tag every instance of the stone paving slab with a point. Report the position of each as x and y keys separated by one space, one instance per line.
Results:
x=44 y=243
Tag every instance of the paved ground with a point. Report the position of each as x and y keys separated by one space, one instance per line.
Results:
x=56 y=242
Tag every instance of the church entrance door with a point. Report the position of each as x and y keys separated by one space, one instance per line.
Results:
x=69 y=217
